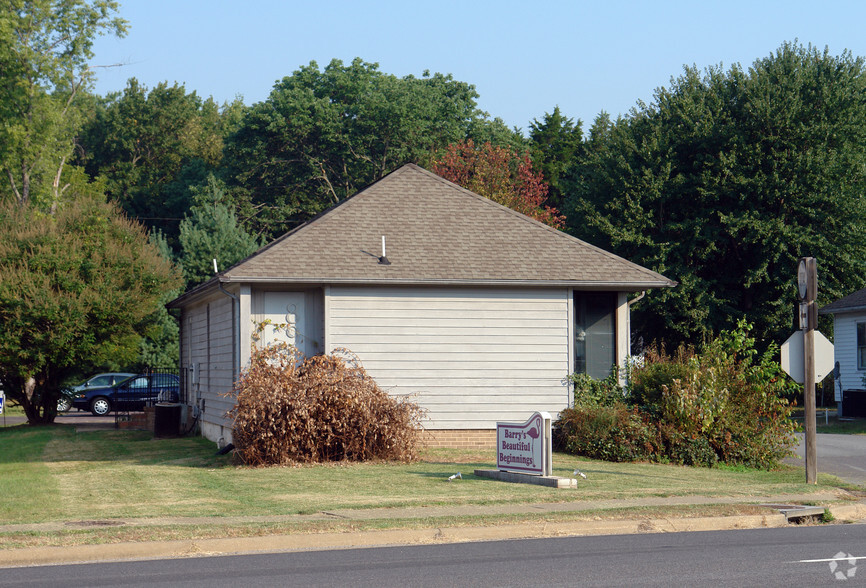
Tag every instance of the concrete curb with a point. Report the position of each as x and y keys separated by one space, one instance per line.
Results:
x=845 y=511
x=326 y=541
x=849 y=513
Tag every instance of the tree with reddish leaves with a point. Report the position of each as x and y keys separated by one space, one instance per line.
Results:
x=500 y=174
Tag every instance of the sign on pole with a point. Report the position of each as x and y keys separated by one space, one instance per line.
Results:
x=792 y=357
x=525 y=447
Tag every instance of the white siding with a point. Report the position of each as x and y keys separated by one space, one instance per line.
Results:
x=471 y=356
x=207 y=344
x=845 y=349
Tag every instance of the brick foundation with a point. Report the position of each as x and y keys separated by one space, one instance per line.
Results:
x=459 y=438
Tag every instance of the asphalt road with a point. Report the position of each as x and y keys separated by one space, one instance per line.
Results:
x=793 y=556
x=840 y=455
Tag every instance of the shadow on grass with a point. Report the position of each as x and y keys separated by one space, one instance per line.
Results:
x=69 y=443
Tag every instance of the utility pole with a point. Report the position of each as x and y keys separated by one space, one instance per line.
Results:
x=807 y=282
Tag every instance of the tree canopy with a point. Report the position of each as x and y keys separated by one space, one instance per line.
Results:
x=500 y=174
x=77 y=289
x=211 y=231
x=724 y=181
x=324 y=134
x=44 y=48
x=150 y=146
x=556 y=142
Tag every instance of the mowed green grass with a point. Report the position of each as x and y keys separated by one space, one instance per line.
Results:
x=58 y=474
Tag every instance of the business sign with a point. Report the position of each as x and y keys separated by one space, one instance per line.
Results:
x=525 y=447
x=2 y=401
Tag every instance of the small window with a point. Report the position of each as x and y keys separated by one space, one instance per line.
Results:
x=861 y=346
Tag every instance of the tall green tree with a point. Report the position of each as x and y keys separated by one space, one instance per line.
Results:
x=555 y=143
x=160 y=343
x=323 y=134
x=150 y=146
x=724 y=181
x=44 y=49
x=77 y=290
x=211 y=231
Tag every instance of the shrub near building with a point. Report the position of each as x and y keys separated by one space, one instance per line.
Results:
x=292 y=409
x=725 y=404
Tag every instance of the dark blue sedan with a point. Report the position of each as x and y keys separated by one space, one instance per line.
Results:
x=131 y=394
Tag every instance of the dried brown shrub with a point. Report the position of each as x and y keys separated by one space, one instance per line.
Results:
x=291 y=409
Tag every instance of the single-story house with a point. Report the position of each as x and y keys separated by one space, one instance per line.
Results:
x=478 y=311
x=849 y=349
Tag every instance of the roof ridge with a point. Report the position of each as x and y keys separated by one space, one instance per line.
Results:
x=520 y=215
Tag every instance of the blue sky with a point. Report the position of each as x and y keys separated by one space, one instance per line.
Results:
x=523 y=57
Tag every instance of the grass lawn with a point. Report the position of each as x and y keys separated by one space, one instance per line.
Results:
x=830 y=424
x=57 y=474
x=10 y=409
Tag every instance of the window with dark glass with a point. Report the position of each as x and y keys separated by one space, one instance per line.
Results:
x=861 y=346
x=594 y=333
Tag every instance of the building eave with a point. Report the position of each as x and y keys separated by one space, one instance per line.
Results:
x=843 y=310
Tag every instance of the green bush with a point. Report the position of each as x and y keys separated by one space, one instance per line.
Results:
x=589 y=391
x=727 y=404
x=647 y=381
x=612 y=433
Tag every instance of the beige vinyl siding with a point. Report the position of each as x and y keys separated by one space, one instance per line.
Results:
x=845 y=349
x=208 y=345
x=471 y=357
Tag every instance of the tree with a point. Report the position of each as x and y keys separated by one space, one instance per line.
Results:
x=150 y=147
x=44 y=49
x=211 y=231
x=724 y=181
x=76 y=291
x=555 y=144
x=501 y=175
x=160 y=342
x=323 y=134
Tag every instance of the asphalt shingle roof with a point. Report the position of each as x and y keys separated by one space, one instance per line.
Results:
x=852 y=302
x=436 y=233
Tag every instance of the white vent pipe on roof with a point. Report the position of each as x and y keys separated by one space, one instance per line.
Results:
x=384 y=259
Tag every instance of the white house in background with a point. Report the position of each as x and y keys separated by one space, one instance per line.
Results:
x=476 y=310
x=849 y=342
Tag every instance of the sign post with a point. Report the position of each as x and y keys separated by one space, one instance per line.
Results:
x=807 y=283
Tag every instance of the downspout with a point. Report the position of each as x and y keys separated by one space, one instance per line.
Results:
x=235 y=300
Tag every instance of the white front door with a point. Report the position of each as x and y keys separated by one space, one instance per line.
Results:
x=285 y=311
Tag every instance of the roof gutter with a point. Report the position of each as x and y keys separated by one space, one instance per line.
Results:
x=622 y=286
x=844 y=310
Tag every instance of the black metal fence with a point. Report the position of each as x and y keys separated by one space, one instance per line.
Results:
x=150 y=386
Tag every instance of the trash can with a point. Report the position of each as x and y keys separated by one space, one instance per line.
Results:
x=166 y=419
x=854 y=403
